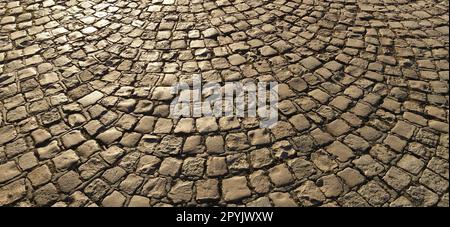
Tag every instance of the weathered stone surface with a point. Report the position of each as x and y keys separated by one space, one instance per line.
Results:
x=282 y=199
x=434 y=181
x=96 y=189
x=206 y=124
x=147 y=164
x=374 y=193
x=193 y=167
x=260 y=182
x=8 y=171
x=260 y=158
x=72 y=138
x=46 y=195
x=411 y=164
x=352 y=199
x=91 y=167
x=109 y=136
x=309 y=194
x=397 y=178
x=215 y=144
x=154 y=187
x=115 y=199
x=193 y=144
x=48 y=151
x=323 y=161
x=236 y=141
x=69 y=181
x=88 y=148
x=340 y=150
x=66 y=160
x=40 y=136
x=421 y=196
x=368 y=165
x=300 y=122
x=131 y=183
x=8 y=133
x=280 y=175
x=301 y=168
x=310 y=63
x=170 y=167
x=139 y=201
x=235 y=188
x=87 y=114
x=12 y=192
x=91 y=98
x=259 y=137
x=330 y=185
x=145 y=125
x=181 y=192
x=216 y=166
x=260 y=202
x=351 y=177
x=207 y=190
x=114 y=174
x=40 y=175
x=27 y=161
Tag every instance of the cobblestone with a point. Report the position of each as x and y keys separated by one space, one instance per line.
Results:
x=85 y=93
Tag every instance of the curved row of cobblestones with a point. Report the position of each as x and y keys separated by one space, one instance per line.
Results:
x=84 y=100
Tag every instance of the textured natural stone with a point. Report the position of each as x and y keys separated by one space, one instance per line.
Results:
x=88 y=109
x=115 y=199
x=12 y=192
x=28 y=161
x=411 y=164
x=139 y=201
x=330 y=185
x=40 y=175
x=193 y=167
x=397 y=178
x=341 y=151
x=109 y=136
x=8 y=133
x=207 y=190
x=170 y=167
x=368 y=165
x=280 y=175
x=260 y=182
x=8 y=171
x=301 y=168
x=46 y=195
x=260 y=158
x=351 y=177
x=309 y=194
x=48 y=151
x=282 y=199
x=69 y=181
x=206 y=124
x=72 y=138
x=235 y=188
x=374 y=193
x=181 y=191
x=216 y=166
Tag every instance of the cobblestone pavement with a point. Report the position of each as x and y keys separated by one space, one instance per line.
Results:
x=84 y=103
